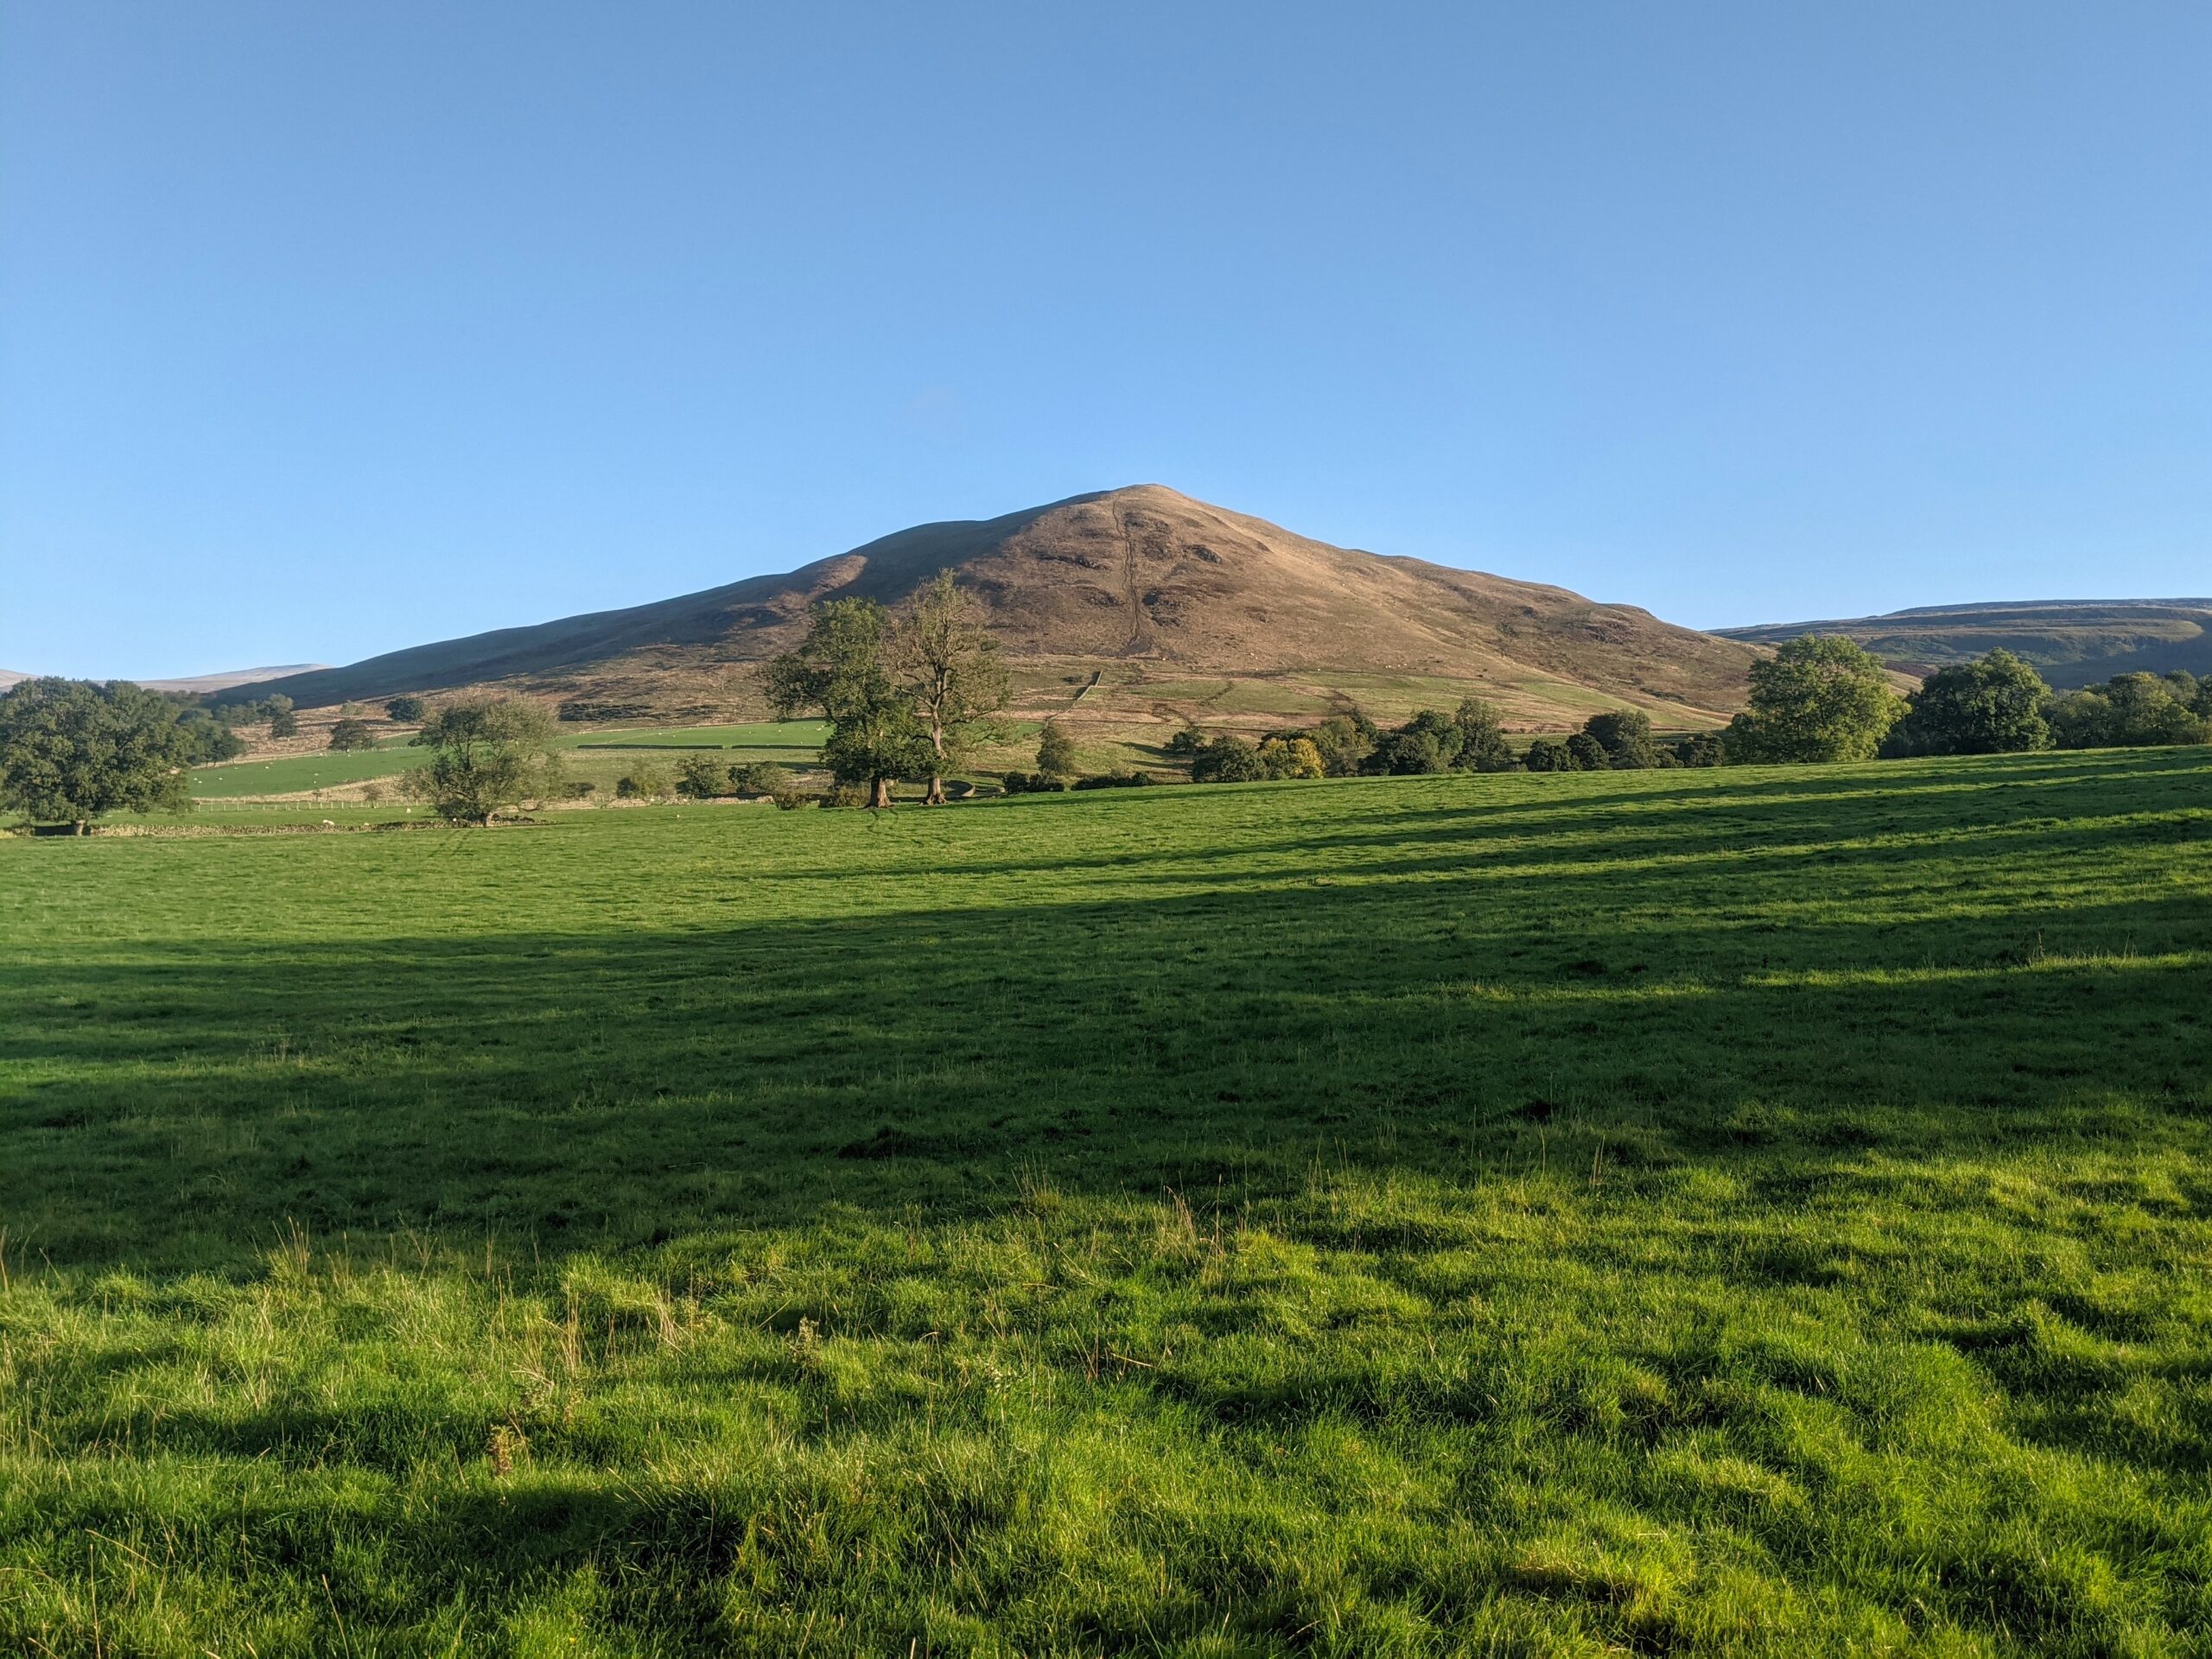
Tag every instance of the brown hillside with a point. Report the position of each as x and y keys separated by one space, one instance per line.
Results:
x=1157 y=602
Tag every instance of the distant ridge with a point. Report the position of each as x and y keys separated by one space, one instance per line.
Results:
x=2072 y=642
x=8 y=677
x=236 y=676
x=1170 y=602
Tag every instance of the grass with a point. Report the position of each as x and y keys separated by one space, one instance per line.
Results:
x=597 y=754
x=1748 y=1212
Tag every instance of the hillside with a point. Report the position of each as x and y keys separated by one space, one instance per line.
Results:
x=2073 y=642
x=229 y=677
x=1142 y=603
x=8 y=677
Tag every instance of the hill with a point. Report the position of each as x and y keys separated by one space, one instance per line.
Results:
x=2072 y=642
x=8 y=677
x=1140 y=602
x=231 y=677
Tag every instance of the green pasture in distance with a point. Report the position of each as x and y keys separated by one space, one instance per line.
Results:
x=801 y=739
x=1743 y=1212
x=796 y=741
x=293 y=773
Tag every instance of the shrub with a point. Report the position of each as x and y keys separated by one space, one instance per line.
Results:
x=1700 y=749
x=1185 y=743
x=1410 y=752
x=579 y=789
x=1342 y=742
x=845 y=795
x=1055 y=752
x=1550 y=754
x=1482 y=746
x=1117 y=781
x=1589 y=753
x=352 y=735
x=761 y=777
x=1625 y=737
x=1293 y=757
x=1228 y=760
x=404 y=710
x=644 y=783
x=701 y=777
x=1033 y=783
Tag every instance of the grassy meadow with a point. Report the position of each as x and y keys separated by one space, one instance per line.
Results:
x=1760 y=1212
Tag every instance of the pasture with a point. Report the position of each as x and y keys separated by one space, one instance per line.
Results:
x=1758 y=1211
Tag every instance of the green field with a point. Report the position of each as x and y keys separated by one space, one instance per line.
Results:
x=1747 y=1210
x=592 y=751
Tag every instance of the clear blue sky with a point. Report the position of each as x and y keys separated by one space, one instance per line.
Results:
x=330 y=328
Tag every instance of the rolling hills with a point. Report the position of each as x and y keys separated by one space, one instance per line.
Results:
x=1137 y=603
x=2072 y=642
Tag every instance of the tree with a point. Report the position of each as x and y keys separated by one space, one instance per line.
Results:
x=2129 y=711
x=1342 y=745
x=206 y=739
x=1228 y=760
x=283 y=723
x=1548 y=754
x=1294 y=757
x=486 y=752
x=1625 y=734
x=1483 y=745
x=1588 y=752
x=701 y=777
x=1055 y=752
x=944 y=659
x=403 y=710
x=841 y=669
x=1700 y=749
x=1993 y=705
x=646 y=781
x=1820 y=697
x=1414 y=750
x=72 y=751
x=352 y=735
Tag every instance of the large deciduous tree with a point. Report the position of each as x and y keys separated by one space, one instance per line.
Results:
x=1820 y=697
x=1993 y=705
x=944 y=657
x=72 y=751
x=842 y=669
x=486 y=752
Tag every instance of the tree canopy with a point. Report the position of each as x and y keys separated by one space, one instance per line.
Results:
x=1993 y=705
x=352 y=735
x=943 y=657
x=486 y=753
x=1819 y=697
x=72 y=751
x=842 y=669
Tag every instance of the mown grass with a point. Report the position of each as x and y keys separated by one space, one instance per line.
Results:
x=1746 y=1211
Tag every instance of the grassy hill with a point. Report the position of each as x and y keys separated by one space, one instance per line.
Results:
x=1145 y=602
x=2072 y=642
x=1747 y=1211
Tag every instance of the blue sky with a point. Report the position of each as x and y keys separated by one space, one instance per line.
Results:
x=327 y=329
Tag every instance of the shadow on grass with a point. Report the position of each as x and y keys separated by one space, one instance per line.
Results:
x=1888 y=980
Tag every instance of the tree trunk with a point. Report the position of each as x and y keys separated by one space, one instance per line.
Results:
x=487 y=820
x=878 y=793
x=936 y=797
x=84 y=827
